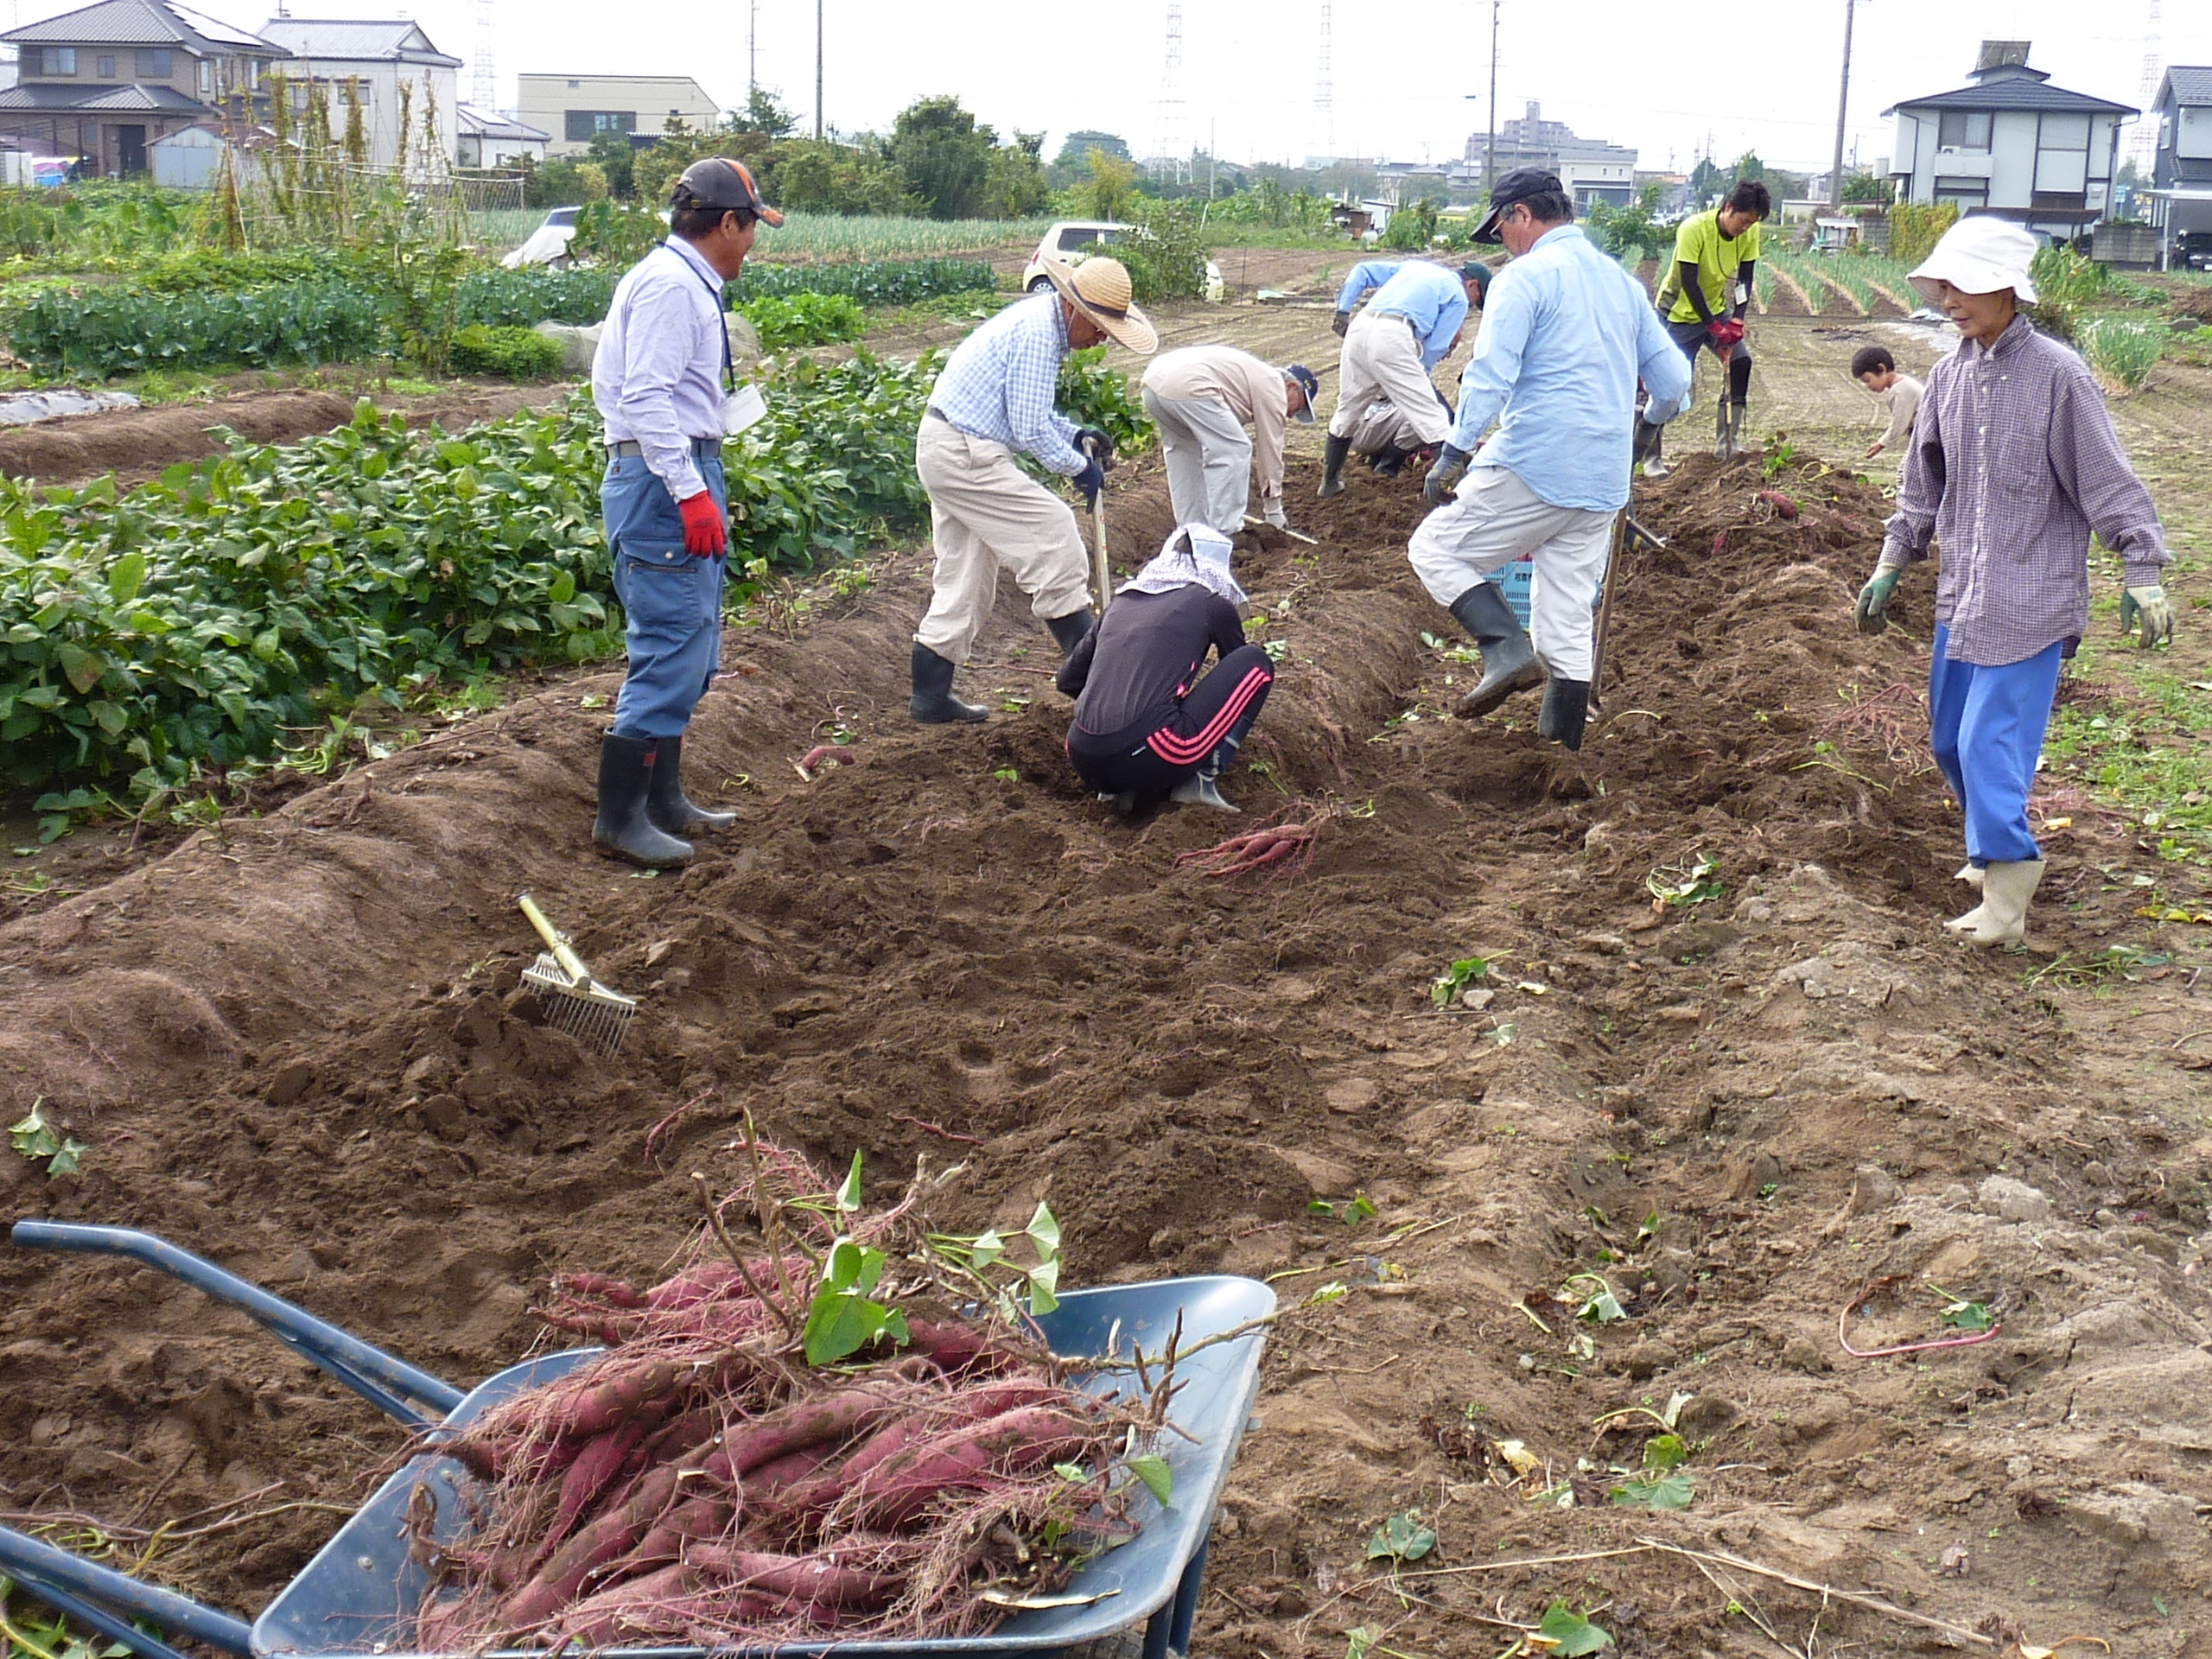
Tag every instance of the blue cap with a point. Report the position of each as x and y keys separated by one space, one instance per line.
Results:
x=1308 y=382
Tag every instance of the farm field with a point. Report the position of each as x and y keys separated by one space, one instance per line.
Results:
x=1770 y=1106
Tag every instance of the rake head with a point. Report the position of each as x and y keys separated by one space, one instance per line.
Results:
x=589 y=1011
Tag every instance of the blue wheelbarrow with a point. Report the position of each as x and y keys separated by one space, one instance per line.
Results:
x=359 y=1594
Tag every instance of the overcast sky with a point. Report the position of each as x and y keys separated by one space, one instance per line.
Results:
x=1629 y=73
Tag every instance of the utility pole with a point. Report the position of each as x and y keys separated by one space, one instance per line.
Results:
x=1489 y=163
x=1842 y=107
x=818 y=71
x=753 y=55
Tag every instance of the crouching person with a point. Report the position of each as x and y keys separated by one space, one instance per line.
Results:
x=1145 y=725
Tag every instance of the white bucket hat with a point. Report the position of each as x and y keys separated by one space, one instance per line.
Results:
x=1980 y=255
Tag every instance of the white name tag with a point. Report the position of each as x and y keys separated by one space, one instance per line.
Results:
x=741 y=409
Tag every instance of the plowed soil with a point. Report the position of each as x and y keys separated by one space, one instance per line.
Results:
x=300 y=1045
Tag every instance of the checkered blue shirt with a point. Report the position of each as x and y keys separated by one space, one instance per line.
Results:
x=2012 y=463
x=1001 y=379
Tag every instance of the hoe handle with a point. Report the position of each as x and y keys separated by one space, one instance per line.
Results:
x=563 y=952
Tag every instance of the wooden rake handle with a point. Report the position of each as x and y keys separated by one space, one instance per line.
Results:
x=557 y=943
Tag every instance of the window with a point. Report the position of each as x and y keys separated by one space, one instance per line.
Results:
x=57 y=60
x=206 y=79
x=158 y=63
x=1963 y=129
x=584 y=125
x=1964 y=194
x=105 y=71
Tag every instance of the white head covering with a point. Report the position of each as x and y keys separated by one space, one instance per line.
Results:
x=1194 y=554
x=1981 y=254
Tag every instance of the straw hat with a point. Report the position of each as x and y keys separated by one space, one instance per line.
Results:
x=1981 y=254
x=1099 y=287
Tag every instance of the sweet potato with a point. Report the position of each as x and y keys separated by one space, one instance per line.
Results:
x=956 y=1348
x=599 y=1286
x=1014 y=1442
x=609 y=1397
x=811 y=1579
x=591 y=1476
x=788 y=1470
x=608 y=1538
x=809 y=1422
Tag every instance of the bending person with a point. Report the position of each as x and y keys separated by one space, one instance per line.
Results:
x=1706 y=293
x=1145 y=724
x=1407 y=328
x=1201 y=397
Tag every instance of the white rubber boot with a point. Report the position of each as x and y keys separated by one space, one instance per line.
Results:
x=2006 y=890
x=1199 y=789
x=1969 y=874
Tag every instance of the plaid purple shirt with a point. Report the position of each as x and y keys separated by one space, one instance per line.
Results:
x=2013 y=462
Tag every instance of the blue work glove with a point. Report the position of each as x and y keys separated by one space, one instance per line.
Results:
x=1444 y=478
x=1090 y=480
x=2148 y=614
x=1874 y=599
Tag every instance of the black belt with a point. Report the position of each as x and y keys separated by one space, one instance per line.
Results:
x=623 y=448
x=936 y=414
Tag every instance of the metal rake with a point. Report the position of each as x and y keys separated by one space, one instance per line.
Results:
x=595 y=1014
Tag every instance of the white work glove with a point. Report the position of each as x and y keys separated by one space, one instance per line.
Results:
x=1658 y=411
x=1271 y=510
x=2148 y=614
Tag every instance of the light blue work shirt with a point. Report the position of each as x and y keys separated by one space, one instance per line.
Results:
x=1432 y=298
x=1000 y=384
x=1565 y=333
x=657 y=374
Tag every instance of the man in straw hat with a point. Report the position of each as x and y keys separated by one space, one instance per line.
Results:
x=1201 y=397
x=994 y=400
x=2013 y=461
x=662 y=383
x=1408 y=327
x=1565 y=336
x=1145 y=724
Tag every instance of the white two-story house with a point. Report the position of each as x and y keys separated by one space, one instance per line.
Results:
x=2180 y=195
x=2009 y=143
x=372 y=60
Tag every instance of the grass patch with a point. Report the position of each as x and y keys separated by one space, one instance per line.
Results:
x=2142 y=747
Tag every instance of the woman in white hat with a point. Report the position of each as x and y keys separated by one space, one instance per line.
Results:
x=994 y=400
x=1145 y=724
x=2013 y=461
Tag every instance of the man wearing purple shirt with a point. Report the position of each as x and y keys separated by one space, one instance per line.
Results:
x=2012 y=463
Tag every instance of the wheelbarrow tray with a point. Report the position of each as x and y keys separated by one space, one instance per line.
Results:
x=359 y=1595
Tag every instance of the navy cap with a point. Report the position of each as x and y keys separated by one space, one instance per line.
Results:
x=1515 y=188
x=1308 y=382
x=1479 y=274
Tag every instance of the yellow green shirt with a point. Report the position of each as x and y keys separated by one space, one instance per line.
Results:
x=1715 y=256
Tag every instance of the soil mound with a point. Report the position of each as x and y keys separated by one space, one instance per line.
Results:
x=138 y=443
x=301 y=1045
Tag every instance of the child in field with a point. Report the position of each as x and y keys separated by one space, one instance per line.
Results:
x=1873 y=367
x=2012 y=462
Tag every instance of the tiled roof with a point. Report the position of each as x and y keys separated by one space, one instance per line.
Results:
x=479 y=123
x=2189 y=83
x=2016 y=92
x=338 y=41
x=138 y=22
x=49 y=99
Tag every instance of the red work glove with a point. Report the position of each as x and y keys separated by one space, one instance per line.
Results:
x=1726 y=333
x=704 y=535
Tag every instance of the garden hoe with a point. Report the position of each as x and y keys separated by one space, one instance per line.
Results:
x=1100 y=572
x=593 y=1014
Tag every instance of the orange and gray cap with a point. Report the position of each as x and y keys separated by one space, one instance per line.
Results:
x=718 y=182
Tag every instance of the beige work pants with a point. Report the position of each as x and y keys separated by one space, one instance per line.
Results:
x=985 y=512
x=1497 y=519
x=1381 y=358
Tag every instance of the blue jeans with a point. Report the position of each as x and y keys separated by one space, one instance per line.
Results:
x=1986 y=726
x=672 y=602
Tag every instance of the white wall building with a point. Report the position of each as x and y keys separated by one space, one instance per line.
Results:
x=576 y=109
x=377 y=57
x=489 y=139
x=2011 y=144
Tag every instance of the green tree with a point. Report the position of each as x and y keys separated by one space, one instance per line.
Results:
x=1111 y=191
x=611 y=152
x=764 y=113
x=819 y=176
x=943 y=154
x=1868 y=187
x=1075 y=154
x=1411 y=227
x=1014 y=187
x=1748 y=166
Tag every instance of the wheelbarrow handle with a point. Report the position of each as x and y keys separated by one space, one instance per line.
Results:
x=385 y=1383
x=95 y=1594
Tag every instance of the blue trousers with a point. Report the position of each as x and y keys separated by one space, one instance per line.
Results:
x=1986 y=726
x=672 y=602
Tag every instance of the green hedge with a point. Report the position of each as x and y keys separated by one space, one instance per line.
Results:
x=871 y=282
x=508 y=354
x=805 y=320
x=101 y=332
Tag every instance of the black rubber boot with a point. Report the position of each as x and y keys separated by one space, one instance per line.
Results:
x=1069 y=630
x=624 y=829
x=1392 y=461
x=666 y=804
x=1332 y=466
x=1566 y=707
x=1509 y=659
x=933 y=703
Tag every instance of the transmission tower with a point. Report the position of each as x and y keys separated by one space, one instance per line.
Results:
x=1325 y=115
x=1171 y=98
x=485 y=92
x=2144 y=140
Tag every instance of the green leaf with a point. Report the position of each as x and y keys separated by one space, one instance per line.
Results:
x=1969 y=1316
x=564 y=589
x=848 y=1195
x=1664 y=1452
x=83 y=668
x=1044 y=1231
x=986 y=1251
x=1044 y=1288
x=1667 y=1492
x=1571 y=1635
x=839 y=1324
x=1402 y=1538
x=1159 y=1480
x=126 y=576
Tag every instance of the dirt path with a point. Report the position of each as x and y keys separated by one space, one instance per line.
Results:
x=299 y=1045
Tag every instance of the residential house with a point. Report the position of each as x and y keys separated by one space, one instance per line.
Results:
x=104 y=82
x=2009 y=144
x=373 y=61
x=2180 y=195
x=576 y=109
x=1592 y=170
x=489 y=139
